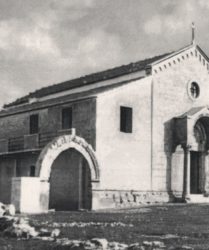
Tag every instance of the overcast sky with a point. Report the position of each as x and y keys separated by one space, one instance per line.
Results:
x=43 y=42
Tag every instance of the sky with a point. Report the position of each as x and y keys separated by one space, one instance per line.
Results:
x=50 y=41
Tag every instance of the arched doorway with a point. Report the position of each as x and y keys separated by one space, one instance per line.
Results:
x=197 y=157
x=69 y=165
x=192 y=134
x=70 y=182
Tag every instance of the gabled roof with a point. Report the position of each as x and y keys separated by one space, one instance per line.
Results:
x=175 y=53
x=169 y=55
x=69 y=98
x=101 y=76
x=88 y=79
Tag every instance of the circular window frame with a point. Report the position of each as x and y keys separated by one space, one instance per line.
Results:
x=189 y=86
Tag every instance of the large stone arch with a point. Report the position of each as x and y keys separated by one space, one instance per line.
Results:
x=60 y=144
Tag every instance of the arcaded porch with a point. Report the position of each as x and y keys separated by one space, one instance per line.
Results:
x=190 y=161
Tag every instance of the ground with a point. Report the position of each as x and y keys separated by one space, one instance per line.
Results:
x=174 y=224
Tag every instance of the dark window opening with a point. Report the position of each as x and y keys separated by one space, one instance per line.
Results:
x=126 y=119
x=18 y=168
x=195 y=90
x=32 y=171
x=34 y=128
x=67 y=118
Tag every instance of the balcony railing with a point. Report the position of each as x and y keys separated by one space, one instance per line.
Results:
x=45 y=138
x=16 y=144
x=30 y=142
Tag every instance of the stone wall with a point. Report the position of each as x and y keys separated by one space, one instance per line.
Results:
x=24 y=162
x=49 y=121
x=127 y=198
x=125 y=158
x=12 y=166
x=7 y=171
x=18 y=124
x=172 y=99
x=30 y=195
x=177 y=172
x=84 y=119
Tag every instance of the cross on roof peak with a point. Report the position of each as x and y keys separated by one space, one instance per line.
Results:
x=193 y=33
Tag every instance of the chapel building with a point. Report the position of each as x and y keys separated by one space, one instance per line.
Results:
x=131 y=135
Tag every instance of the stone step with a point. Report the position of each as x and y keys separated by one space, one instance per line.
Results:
x=198 y=198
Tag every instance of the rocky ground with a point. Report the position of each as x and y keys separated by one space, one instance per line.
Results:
x=179 y=226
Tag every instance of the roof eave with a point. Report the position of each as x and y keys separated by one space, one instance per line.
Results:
x=172 y=54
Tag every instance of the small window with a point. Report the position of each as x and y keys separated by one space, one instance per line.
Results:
x=32 y=171
x=194 y=90
x=126 y=119
x=34 y=124
x=67 y=118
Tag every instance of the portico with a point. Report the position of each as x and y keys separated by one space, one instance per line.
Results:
x=192 y=134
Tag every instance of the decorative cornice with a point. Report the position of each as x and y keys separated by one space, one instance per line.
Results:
x=192 y=51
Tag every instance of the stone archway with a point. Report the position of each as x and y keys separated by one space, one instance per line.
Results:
x=60 y=144
x=197 y=156
x=51 y=159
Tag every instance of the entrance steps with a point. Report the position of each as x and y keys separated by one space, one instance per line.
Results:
x=198 y=198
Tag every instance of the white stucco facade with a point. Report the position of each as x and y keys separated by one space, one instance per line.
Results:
x=162 y=158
